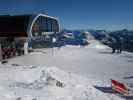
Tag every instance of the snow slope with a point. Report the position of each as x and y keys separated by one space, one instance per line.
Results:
x=94 y=61
x=67 y=73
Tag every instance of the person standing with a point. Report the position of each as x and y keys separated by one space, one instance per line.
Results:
x=18 y=48
x=119 y=44
x=113 y=44
x=0 y=52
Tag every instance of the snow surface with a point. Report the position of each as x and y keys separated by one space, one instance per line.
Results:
x=41 y=84
x=94 y=61
x=67 y=73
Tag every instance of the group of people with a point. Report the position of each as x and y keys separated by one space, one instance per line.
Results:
x=116 y=44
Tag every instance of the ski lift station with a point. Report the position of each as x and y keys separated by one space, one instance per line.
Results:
x=20 y=32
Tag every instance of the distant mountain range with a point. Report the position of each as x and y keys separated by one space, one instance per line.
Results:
x=104 y=36
x=127 y=38
x=125 y=35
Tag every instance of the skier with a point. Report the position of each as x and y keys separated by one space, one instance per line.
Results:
x=113 y=44
x=119 y=44
x=18 y=48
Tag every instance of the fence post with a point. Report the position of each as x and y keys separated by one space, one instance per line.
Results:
x=26 y=48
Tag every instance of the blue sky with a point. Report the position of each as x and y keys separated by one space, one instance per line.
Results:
x=77 y=14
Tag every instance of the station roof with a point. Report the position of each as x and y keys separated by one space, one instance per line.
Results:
x=14 y=25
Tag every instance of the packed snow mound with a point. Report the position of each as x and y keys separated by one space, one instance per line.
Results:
x=97 y=45
x=100 y=46
x=42 y=83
